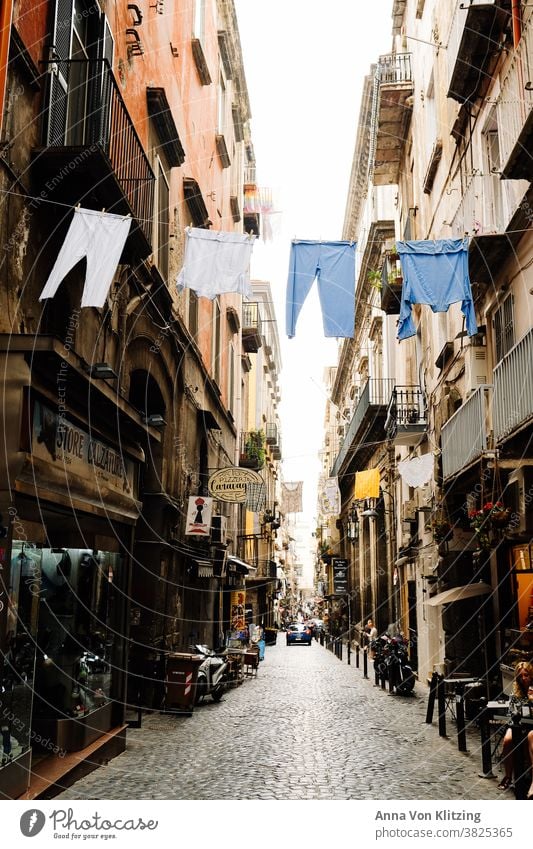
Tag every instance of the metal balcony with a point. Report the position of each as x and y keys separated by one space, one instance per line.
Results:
x=515 y=111
x=464 y=436
x=392 y=116
x=271 y=433
x=406 y=416
x=90 y=137
x=513 y=388
x=251 y=328
x=474 y=47
x=252 y=450
x=276 y=450
x=366 y=426
x=492 y=209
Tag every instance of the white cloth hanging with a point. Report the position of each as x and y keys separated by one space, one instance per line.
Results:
x=330 y=499
x=100 y=238
x=216 y=263
x=418 y=471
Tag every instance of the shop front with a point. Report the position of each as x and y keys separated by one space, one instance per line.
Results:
x=69 y=507
x=517 y=589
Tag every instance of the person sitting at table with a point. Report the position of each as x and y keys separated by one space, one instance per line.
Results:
x=522 y=695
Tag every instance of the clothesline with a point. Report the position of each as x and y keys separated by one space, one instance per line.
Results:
x=29 y=197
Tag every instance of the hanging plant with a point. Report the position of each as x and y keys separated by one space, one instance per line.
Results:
x=442 y=530
x=492 y=515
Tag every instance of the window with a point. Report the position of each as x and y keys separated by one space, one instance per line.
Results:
x=231 y=377
x=193 y=313
x=216 y=341
x=161 y=223
x=199 y=20
x=502 y=323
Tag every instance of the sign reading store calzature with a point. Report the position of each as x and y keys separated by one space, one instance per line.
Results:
x=229 y=484
x=56 y=440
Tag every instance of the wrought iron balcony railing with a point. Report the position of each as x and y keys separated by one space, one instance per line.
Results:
x=406 y=415
x=87 y=113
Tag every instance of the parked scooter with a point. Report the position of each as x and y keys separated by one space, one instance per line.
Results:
x=400 y=672
x=212 y=675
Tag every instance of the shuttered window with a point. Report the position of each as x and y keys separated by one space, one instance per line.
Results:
x=503 y=326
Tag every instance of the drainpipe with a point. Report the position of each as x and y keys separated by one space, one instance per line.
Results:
x=6 y=16
x=516 y=16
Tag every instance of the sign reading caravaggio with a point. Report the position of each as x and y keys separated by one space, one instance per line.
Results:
x=229 y=484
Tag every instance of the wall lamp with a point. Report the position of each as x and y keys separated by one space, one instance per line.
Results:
x=352 y=527
x=100 y=371
x=155 y=420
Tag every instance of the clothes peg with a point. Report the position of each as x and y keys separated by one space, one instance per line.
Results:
x=103 y=210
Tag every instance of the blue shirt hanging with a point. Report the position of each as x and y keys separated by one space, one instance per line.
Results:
x=435 y=273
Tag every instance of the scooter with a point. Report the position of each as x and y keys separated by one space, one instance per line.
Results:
x=212 y=675
x=400 y=672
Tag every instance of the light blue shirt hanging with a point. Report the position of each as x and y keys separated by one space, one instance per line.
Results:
x=333 y=265
x=435 y=273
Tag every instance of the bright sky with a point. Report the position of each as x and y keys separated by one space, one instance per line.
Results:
x=305 y=61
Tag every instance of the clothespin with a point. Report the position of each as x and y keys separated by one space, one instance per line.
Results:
x=78 y=205
x=103 y=210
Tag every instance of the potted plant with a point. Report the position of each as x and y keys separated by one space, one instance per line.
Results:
x=374 y=278
x=492 y=515
x=254 y=449
x=442 y=529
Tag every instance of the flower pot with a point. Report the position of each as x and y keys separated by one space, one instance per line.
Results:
x=500 y=518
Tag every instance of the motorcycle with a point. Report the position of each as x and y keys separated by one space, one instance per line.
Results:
x=400 y=672
x=212 y=675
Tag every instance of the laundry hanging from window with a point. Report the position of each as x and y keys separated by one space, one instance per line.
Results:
x=366 y=484
x=216 y=263
x=418 y=470
x=98 y=237
x=332 y=264
x=435 y=273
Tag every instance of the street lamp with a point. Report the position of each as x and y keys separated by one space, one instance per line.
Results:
x=352 y=528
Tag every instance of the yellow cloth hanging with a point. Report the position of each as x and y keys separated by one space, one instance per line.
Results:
x=366 y=484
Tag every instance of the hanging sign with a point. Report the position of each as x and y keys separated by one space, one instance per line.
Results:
x=340 y=576
x=199 y=516
x=237 y=603
x=230 y=484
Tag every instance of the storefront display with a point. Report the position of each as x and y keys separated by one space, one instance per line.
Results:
x=518 y=640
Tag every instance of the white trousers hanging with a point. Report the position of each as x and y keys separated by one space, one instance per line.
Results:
x=216 y=263
x=98 y=236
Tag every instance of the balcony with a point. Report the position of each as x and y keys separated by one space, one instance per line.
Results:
x=394 y=78
x=515 y=111
x=276 y=450
x=406 y=416
x=493 y=210
x=464 y=437
x=513 y=389
x=91 y=140
x=252 y=450
x=391 y=285
x=366 y=426
x=271 y=433
x=251 y=328
x=474 y=47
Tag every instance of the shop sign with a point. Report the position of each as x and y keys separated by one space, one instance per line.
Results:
x=199 y=516
x=340 y=576
x=56 y=440
x=229 y=484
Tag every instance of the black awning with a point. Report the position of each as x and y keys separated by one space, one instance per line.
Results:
x=207 y=420
x=235 y=564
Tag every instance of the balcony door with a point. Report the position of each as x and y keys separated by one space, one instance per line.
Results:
x=79 y=78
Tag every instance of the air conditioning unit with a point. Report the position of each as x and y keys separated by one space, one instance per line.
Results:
x=476 y=372
x=408 y=511
x=518 y=496
x=219 y=530
x=424 y=498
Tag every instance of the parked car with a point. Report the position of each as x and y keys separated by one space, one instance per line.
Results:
x=298 y=633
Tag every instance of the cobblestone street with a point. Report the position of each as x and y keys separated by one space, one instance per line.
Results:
x=308 y=727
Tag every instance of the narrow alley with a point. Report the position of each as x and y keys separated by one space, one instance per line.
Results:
x=307 y=727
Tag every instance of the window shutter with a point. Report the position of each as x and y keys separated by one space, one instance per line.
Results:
x=58 y=73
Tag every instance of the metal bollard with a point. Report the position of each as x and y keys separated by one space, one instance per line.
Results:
x=365 y=664
x=340 y=648
x=348 y=652
x=357 y=655
x=520 y=771
x=460 y=715
x=441 y=702
x=322 y=638
x=486 y=755
x=431 y=698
